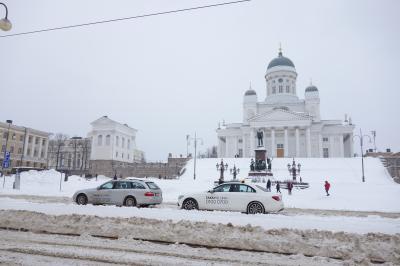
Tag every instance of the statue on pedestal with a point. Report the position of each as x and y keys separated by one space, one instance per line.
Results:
x=260 y=136
x=252 y=168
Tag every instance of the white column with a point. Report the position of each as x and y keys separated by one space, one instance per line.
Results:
x=265 y=138
x=235 y=139
x=297 y=143
x=351 y=145
x=33 y=146
x=46 y=148
x=321 y=152
x=252 y=136
x=331 y=146
x=244 y=146
x=40 y=148
x=341 y=146
x=286 y=148
x=26 y=144
x=308 y=134
x=273 y=148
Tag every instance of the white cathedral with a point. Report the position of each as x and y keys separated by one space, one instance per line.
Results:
x=291 y=127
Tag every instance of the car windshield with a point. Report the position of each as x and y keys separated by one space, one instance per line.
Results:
x=152 y=185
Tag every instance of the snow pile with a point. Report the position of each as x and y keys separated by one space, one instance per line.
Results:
x=378 y=193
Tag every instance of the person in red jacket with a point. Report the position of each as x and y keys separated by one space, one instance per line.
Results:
x=327 y=187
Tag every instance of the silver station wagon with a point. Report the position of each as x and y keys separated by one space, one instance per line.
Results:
x=127 y=192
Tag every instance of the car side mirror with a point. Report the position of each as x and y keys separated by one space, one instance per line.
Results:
x=98 y=188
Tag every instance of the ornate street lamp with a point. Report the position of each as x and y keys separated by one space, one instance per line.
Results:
x=234 y=171
x=5 y=23
x=195 y=139
x=222 y=168
x=361 y=137
x=293 y=171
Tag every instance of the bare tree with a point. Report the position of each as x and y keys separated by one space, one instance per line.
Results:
x=56 y=145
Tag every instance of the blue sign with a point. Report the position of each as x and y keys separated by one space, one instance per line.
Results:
x=6 y=161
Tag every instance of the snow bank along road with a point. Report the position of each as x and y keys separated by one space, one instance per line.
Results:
x=138 y=240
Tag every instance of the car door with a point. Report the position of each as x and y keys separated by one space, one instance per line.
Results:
x=242 y=195
x=138 y=191
x=103 y=193
x=219 y=198
x=121 y=189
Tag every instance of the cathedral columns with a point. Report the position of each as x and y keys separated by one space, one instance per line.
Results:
x=321 y=152
x=297 y=142
x=244 y=146
x=331 y=146
x=273 y=148
x=308 y=135
x=286 y=147
x=252 y=137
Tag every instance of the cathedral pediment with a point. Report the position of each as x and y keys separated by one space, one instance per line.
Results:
x=280 y=114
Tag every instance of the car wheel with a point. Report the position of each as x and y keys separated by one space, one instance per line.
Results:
x=130 y=202
x=81 y=199
x=190 y=204
x=255 y=207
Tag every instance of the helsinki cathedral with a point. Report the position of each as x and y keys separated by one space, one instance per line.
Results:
x=290 y=126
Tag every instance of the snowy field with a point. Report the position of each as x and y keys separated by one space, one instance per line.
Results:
x=379 y=192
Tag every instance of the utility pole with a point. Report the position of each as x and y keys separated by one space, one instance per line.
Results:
x=361 y=137
x=373 y=132
x=195 y=139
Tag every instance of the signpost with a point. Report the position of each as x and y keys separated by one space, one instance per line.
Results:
x=6 y=161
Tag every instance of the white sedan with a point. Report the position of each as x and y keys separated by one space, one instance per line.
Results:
x=233 y=196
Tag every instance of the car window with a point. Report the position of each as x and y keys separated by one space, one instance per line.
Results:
x=136 y=185
x=122 y=185
x=152 y=185
x=223 y=188
x=108 y=185
x=245 y=188
x=234 y=188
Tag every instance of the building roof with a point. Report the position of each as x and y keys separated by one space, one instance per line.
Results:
x=280 y=61
x=250 y=92
x=311 y=88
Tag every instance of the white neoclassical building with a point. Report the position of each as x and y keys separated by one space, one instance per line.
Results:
x=113 y=141
x=291 y=127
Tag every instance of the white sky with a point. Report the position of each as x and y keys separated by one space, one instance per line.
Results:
x=172 y=75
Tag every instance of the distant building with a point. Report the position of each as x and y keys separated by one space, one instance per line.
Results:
x=291 y=127
x=72 y=155
x=27 y=146
x=113 y=141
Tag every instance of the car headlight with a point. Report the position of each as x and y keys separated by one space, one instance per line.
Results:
x=180 y=197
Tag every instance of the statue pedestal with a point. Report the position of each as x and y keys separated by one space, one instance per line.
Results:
x=260 y=159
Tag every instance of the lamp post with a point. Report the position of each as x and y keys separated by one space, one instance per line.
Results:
x=5 y=24
x=361 y=137
x=222 y=168
x=195 y=139
x=9 y=122
x=234 y=171
x=293 y=170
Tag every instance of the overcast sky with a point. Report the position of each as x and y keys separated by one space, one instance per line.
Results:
x=177 y=74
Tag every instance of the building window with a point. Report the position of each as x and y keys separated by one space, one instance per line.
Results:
x=30 y=139
x=3 y=148
x=116 y=155
x=21 y=138
x=280 y=88
x=37 y=140
x=117 y=141
x=325 y=152
x=28 y=152
x=273 y=89
x=35 y=153
x=108 y=138
x=12 y=149
x=5 y=134
x=42 y=154
x=280 y=80
x=20 y=151
x=279 y=146
x=100 y=140
x=129 y=145
x=325 y=139
x=43 y=142
x=287 y=89
x=14 y=136
x=240 y=140
x=123 y=144
x=122 y=155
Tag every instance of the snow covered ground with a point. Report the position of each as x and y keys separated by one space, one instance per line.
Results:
x=378 y=193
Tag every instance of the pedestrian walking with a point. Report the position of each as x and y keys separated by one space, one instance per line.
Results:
x=115 y=176
x=269 y=185
x=290 y=187
x=278 y=187
x=327 y=187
